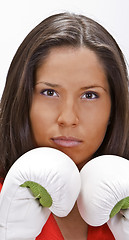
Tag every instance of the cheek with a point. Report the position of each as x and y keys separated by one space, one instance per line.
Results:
x=96 y=121
x=41 y=118
x=98 y=132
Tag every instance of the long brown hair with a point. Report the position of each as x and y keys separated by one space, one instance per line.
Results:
x=62 y=29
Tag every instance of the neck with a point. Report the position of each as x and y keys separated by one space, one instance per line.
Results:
x=72 y=226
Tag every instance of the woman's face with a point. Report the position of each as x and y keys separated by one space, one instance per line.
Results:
x=71 y=103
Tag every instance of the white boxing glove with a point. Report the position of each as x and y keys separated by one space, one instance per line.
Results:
x=41 y=176
x=104 y=195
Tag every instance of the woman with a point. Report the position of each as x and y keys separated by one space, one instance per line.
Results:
x=67 y=88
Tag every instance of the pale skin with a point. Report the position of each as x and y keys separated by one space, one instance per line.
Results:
x=70 y=111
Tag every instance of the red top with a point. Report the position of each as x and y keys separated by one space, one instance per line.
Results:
x=0 y=186
x=51 y=231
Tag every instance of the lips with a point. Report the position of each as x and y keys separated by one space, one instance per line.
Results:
x=66 y=141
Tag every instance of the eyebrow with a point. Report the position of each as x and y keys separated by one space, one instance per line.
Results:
x=83 y=88
x=49 y=84
x=93 y=86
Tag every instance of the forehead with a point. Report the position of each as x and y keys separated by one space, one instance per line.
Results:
x=80 y=65
x=62 y=55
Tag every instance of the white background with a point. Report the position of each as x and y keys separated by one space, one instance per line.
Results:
x=18 y=17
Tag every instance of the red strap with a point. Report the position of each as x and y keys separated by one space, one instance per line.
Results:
x=0 y=187
x=100 y=233
x=50 y=230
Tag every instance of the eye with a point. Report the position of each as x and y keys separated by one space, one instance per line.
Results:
x=90 y=95
x=49 y=93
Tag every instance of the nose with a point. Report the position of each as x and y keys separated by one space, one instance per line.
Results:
x=68 y=115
